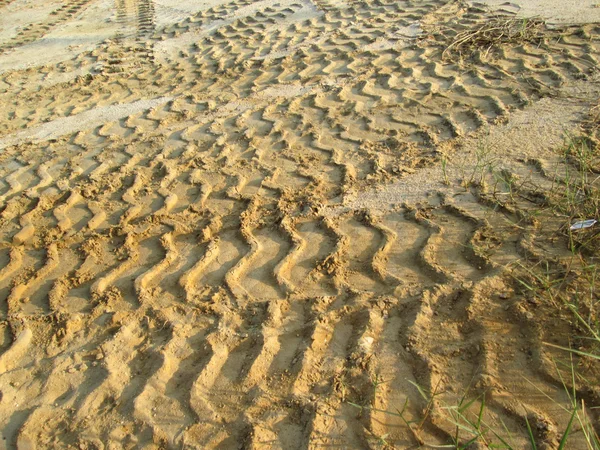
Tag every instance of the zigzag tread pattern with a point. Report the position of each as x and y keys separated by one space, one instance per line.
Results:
x=188 y=276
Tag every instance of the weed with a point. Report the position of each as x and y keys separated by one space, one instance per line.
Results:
x=572 y=289
x=469 y=427
x=445 y=170
x=567 y=286
x=485 y=163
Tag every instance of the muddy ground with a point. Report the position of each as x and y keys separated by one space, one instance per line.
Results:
x=261 y=224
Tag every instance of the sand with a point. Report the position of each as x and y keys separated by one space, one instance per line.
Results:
x=554 y=12
x=226 y=224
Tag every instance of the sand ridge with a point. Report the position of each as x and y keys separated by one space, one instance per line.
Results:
x=193 y=253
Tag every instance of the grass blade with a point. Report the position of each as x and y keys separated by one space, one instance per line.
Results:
x=563 y=441
x=577 y=352
x=530 y=433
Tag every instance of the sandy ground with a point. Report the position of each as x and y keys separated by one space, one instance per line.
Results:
x=554 y=12
x=225 y=224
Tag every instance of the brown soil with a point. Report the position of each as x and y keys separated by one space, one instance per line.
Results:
x=230 y=229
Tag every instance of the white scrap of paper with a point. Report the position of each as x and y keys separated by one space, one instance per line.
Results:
x=583 y=224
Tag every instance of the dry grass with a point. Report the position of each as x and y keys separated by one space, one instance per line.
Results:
x=493 y=34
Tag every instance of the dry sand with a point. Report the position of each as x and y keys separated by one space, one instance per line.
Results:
x=554 y=12
x=224 y=223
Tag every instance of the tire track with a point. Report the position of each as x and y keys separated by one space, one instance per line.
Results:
x=36 y=31
x=192 y=273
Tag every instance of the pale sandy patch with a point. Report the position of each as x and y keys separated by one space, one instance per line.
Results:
x=94 y=25
x=78 y=122
x=557 y=12
x=20 y=13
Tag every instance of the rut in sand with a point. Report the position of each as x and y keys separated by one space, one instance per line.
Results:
x=180 y=262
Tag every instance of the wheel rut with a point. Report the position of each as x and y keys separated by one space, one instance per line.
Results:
x=182 y=261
